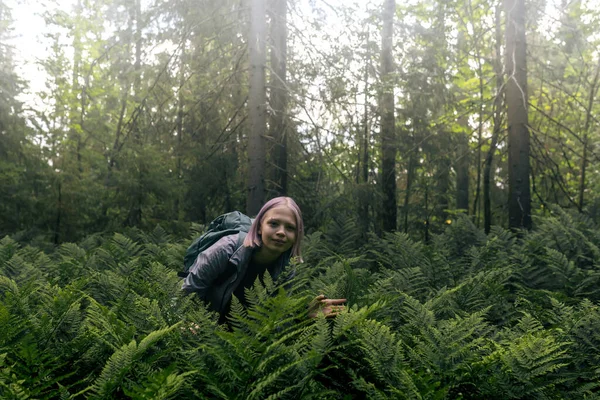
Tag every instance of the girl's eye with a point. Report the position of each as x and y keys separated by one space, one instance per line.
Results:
x=273 y=224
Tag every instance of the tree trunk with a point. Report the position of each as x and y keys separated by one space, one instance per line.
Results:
x=137 y=67
x=279 y=94
x=388 y=139
x=362 y=173
x=75 y=89
x=477 y=201
x=257 y=109
x=135 y=212
x=498 y=103
x=462 y=171
x=462 y=162
x=409 y=179
x=180 y=112
x=585 y=140
x=57 y=222
x=519 y=203
x=426 y=212
x=443 y=183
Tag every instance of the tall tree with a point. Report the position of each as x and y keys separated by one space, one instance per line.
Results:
x=257 y=108
x=497 y=110
x=362 y=173
x=22 y=167
x=586 y=138
x=519 y=203
x=279 y=93
x=134 y=217
x=464 y=132
x=388 y=122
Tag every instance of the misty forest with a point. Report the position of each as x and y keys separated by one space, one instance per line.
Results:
x=444 y=154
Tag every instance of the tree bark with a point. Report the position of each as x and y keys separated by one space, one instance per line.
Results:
x=59 y=207
x=362 y=173
x=279 y=94
x=443 y=183
x=519 y=203
x=585 y=140
x=75 y=89
x=180 y=113
x=477 y=201
x=463 y=159
x=388 y=139
x=409 y=180
x=134 y=217
x=257 y=109
x=498 y=103
x=462 y=171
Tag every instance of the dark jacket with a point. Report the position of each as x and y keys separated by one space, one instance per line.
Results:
x=220 y=269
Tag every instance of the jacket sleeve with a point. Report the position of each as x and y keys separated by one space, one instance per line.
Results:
x=207 y=268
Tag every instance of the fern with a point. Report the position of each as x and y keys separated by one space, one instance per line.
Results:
x=20 y=270
x=532 y=362
x=32 y=372
x=105 y=325
x=344 y=235
x=121 y=363
x=575 y=237
x=262 y=351
x=160 y=385
x=8 y=248
x=390 y=286
x=315 y=249
x=484 y=290
x=382 y=352
x=16 y=307
x=497 y=252
x=458 y=238
x=396 y=251
x=122 y=248
x=159 y=236
x=342 y=279
x=467 y=316
x=588 y=286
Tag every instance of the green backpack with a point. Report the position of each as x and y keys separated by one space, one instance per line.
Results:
x=223 y=225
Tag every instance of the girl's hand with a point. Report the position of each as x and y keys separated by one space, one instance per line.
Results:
x=329 y=307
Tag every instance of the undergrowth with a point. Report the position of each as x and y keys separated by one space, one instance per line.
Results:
x=467 y=316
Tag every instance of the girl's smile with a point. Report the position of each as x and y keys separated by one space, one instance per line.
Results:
x=278 y=230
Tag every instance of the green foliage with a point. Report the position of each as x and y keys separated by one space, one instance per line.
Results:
x=506 y=317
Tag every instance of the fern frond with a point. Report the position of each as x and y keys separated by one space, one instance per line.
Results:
x=104 y=324
x=588 y=286
x=396 y=251
x=160 y=385
x=71 y=251
x=458 y=238
x=344 y=235
x=122 y=248
x=342 y=280
x=415 y=315
x=382 y=351
x=160 y=236
x=532 y=356
x=573 y=236
x=8 y=248
x=315 y=249
x=121 y=363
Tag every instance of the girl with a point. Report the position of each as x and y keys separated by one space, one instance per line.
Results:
x=224 y=270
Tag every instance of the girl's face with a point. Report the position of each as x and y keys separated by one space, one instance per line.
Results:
x=278 y=230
